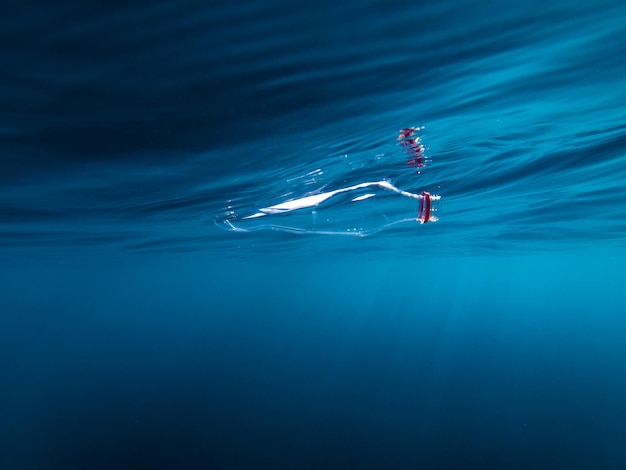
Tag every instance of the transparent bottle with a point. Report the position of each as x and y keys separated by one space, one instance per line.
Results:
x=360 y=210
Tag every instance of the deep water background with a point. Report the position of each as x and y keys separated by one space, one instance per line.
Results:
x=137 y=331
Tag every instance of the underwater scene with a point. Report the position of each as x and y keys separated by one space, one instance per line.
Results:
x=330 y=235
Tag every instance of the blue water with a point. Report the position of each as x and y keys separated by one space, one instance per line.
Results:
x=147 y=321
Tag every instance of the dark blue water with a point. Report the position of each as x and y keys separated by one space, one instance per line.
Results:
x=148 y=321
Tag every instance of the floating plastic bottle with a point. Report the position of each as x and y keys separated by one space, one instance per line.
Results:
x=362 y=209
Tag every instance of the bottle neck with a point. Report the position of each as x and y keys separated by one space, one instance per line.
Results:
x=424 y=215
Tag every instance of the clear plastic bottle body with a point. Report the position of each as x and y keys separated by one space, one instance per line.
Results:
x=359 y=210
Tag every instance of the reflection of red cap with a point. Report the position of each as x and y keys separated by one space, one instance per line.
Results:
x=424 y=213
x=404 y=133
x=412 y=146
